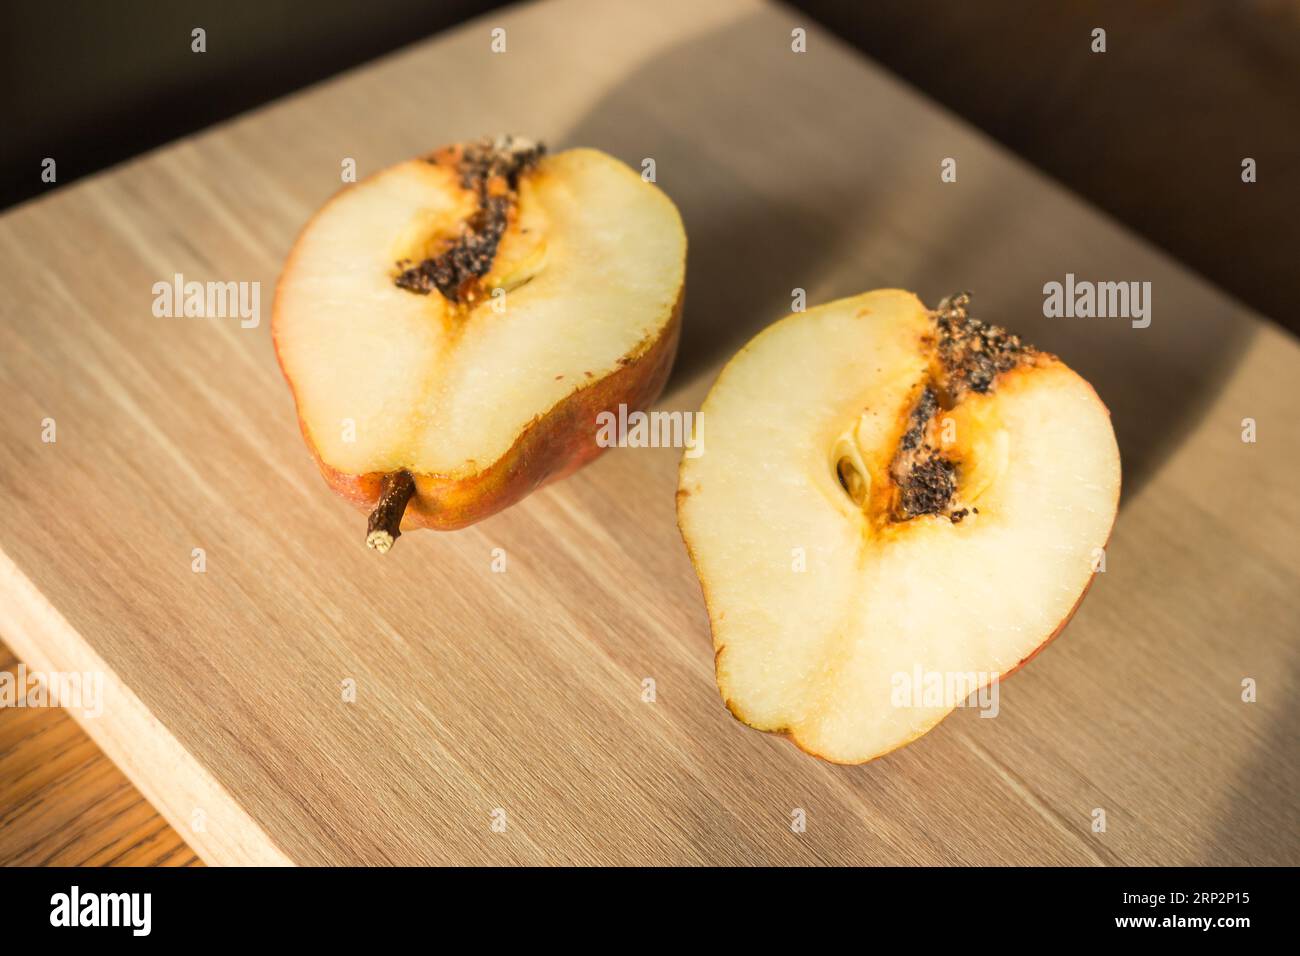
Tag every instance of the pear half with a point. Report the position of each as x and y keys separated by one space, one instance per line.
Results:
x=452 y=326
x=894 y=507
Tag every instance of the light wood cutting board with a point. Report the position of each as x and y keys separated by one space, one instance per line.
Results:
x=480 y=692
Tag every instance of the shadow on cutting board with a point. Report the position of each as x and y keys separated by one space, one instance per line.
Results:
x=1268 y=780
x=788 y=176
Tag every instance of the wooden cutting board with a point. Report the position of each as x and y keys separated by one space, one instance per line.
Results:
x=517 y=697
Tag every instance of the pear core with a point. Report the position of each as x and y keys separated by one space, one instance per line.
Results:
x=463 y=317
x=934 y=495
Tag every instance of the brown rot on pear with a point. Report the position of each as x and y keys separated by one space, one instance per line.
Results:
x=940 y=489
x=418 y=315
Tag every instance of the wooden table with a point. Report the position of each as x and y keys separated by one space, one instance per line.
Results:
x=63 y=803
x=483 y=697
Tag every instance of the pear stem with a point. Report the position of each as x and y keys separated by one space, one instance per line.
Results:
x=385 y=522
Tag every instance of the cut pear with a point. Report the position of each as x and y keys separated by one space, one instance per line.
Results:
x=462 y=318
x=889 y=496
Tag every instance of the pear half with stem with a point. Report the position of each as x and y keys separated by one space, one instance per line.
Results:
x=452 y=326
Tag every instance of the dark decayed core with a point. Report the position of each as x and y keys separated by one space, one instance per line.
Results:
x=971 y=354
x=491 y=168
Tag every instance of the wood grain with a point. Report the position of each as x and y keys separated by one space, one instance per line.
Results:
x=521 y=691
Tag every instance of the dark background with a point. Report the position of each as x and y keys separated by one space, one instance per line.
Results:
x=1153 y=131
